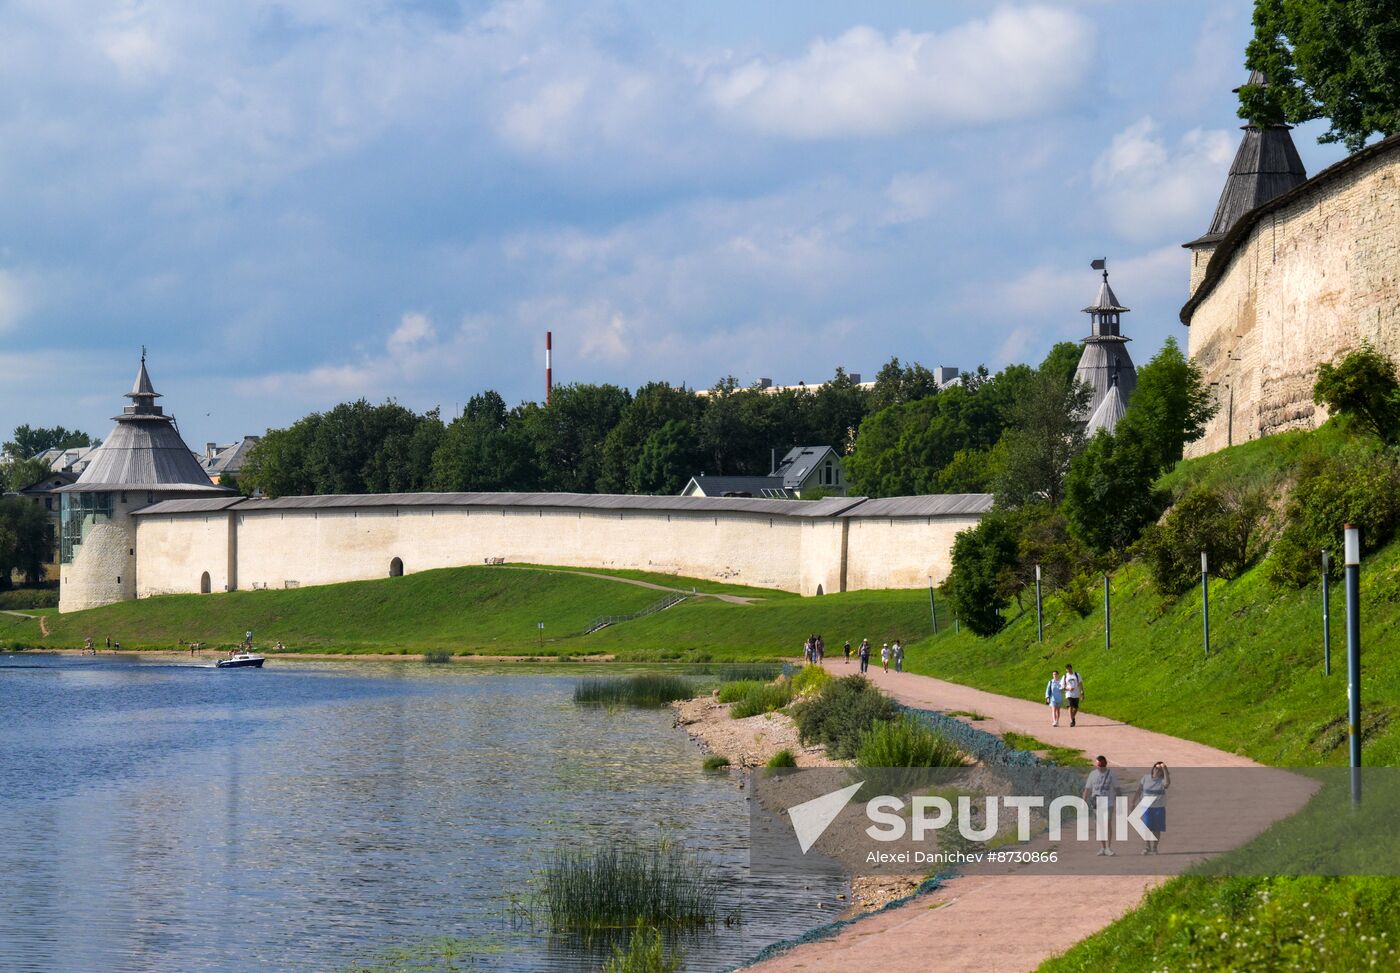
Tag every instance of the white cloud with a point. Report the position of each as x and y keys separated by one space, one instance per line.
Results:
x=1147 y=188
x=1017 y=62
x=914 y=196
x=1060 y=291
x=14 y=300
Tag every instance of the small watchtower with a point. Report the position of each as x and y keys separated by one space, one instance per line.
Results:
x=1105 y=366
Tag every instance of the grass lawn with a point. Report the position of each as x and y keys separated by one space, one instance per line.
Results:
x=490 y=610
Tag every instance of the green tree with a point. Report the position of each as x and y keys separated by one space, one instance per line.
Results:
x=1170 y=407
x=1362 y=387
x=896 y=384
x=667 y=459
x=984 y=572
x=30 y=441
x=834 y=415
x=1109 y=494
x=1045 y=436
x=1333 y=59
x=1225 y=525
x=485 y=450
x=24 y=539
x=16 y=474
x=568 y=434
x=653 y=406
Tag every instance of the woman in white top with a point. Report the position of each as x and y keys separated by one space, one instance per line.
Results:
x=1154 y=784
x=885 y=656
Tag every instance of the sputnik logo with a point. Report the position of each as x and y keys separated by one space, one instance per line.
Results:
x=810 y=819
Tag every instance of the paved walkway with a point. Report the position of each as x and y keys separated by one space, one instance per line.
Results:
x=638 y=582
x=1014 y=922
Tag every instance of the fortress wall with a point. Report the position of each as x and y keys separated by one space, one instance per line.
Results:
x=175 y=551
x=901 y=552
x=1308 y=282
x=103 y=569
x=329 y=545
x=302 y=547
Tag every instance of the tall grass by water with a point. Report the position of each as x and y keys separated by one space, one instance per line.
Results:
x=763 y=698
x=645 y=953
x=841 y=714
x=906 y=742
x=662 y=884
x=646 y=690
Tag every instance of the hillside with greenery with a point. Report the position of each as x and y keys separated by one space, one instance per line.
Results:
x=491 y=611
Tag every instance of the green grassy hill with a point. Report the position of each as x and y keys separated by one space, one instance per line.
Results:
x=490 y=610
x=1261 y=692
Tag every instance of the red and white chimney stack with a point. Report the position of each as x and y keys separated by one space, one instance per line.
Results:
x=548 y=366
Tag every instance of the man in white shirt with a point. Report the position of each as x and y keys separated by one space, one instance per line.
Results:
x=1073 y=685
x=1101 y=786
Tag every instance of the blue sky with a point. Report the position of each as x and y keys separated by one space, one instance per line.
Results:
x=295 y=204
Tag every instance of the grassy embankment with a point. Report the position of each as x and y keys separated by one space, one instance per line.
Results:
x=1261 y=693
x=492 y=611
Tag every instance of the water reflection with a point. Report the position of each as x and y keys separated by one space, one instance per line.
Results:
x=309 y=816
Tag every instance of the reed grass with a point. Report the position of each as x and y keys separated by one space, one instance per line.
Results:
x=437 y=658
x=759 y=671
x=763 y=698
x=662 y=884
x=906 y=742
x=647 y=690
x=732 y=692
x=645 y=953
x=715 y=762
x=782 y=759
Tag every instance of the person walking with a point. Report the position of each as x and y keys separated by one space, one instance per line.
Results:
x=1154 y=784
x=820 y=646
x=807 y=650
x=864 y=655
x=1073 y=685
x=1054 y=696
x=1100 y=791
x=847 y=650
x=898 y=652
x=885 y=656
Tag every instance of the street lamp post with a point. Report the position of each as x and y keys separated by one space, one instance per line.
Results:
x=1326 y=617
x=1352 y=551
x=1107 y=616
x=1205 y=601
x=1039 y=613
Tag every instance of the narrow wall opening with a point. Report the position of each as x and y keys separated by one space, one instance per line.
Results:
x=204 y=583
x=396 y=568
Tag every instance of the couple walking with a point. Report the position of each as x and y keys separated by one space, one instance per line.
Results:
x=1064 y=691
x=1103 y=783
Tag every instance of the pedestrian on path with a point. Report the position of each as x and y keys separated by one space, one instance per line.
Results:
x=1073 y=685
x=807 y=649
x=848 y=651
x=1154 y=784
x=1100 y=791
x=864 y=655
x=819 y=647
x=885 y=656
x=1055 y=696
x=898 y=653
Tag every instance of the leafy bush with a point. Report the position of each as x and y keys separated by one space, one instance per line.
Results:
x=783 y=758
x=1224 y=524
x=1078 y=595
x=645 y=953
x=732 y=692
x=839 y=716
x=1332 y=493
x=648 y=690
x=715 y=762
x=21 y=599
x=764 y=698
x=1363 y=388
x=906 y=742
x=983 y=575
x=809 y=679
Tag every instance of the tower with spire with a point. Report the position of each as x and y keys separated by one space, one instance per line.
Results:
x=142 y=461
x=1105 y=366
x=1266 y=165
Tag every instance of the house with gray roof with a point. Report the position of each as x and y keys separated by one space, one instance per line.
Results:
x=809 y=470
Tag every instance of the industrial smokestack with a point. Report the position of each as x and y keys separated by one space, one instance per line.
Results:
x=548 y=366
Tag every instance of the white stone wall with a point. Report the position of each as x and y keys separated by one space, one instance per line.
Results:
x=901 y=552
x=298 y=547
x=1309 y=282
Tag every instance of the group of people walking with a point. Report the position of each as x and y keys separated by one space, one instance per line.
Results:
x=814 y=649
x=888 y=653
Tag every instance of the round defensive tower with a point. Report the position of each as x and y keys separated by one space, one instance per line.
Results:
x=143 y=461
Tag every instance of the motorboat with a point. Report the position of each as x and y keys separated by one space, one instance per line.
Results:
x=241 y=659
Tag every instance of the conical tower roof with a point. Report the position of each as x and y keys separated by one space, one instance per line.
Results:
x=144 y=451
x=1266 y=165
x=1106 y=299
x=1110 y=410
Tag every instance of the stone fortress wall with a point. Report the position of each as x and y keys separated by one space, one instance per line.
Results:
x=1300 y=280
x=812 y=547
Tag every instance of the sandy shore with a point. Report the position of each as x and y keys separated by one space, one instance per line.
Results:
x=750 y=743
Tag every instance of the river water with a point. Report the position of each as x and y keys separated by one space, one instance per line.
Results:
x=319 y=816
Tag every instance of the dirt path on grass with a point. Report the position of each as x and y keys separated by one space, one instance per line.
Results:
x=637 y=582
x=1016 y=921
